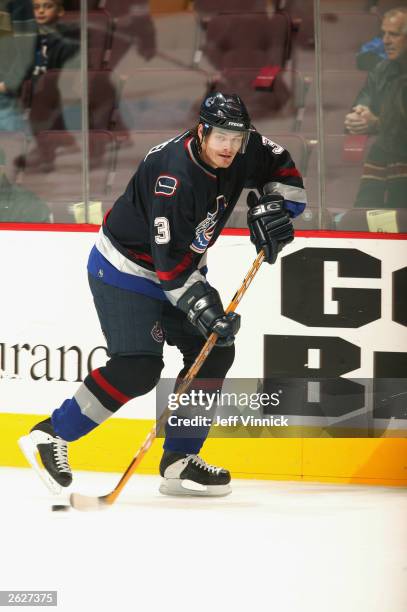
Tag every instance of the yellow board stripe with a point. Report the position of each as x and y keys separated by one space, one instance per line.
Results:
x=111 y=447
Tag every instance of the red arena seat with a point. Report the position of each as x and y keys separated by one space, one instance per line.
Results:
x=342 y=35
x=99 y=35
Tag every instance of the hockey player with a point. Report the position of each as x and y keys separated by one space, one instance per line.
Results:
x=147 y=277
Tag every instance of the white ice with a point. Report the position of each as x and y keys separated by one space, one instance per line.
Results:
x=281 y=546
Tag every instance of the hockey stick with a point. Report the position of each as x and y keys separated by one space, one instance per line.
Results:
x=86 y=502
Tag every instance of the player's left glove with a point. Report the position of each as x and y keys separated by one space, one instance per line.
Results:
x=203 y=307
x=269 y=224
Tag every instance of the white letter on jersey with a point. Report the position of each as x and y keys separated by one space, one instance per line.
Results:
x=157 y=148
x=160 y=147
x=276 y=148
x=163 y=230
x=166 y=185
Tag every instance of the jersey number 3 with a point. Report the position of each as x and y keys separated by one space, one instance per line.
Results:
x=163 y=230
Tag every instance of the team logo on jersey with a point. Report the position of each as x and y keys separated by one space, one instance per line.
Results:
x=204 y=231
x=157 y=332
x=166 y=185
x=276 y=148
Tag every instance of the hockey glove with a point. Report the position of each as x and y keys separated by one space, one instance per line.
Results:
x=203 y=307
x=269 y=224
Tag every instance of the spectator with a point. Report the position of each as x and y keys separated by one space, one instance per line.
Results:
x=365 y=113
x=380 y=109
x=384 y=179
x=57 y=45
x=18 y=204
x=17 y=41
x=56 y=42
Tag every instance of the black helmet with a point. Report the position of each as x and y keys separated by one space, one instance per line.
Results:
x=228 y=112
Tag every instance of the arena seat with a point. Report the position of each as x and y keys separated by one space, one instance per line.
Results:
x=342 y=171
x=342 y=35
x=162 y=99
x=156 y=40
x=61 y=184
x=247 y=40
x=339 y=91
x=280 y=106
x=75 y=5
x=99 y=35
x=117 y=8
x=56 y=102
x=212 y=7
x=301 y=13
x=326 y=5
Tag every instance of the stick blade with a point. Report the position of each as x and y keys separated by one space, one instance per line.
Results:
x=88 y=503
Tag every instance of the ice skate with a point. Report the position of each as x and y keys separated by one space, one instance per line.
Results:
x=53 y=452
x=184 y=474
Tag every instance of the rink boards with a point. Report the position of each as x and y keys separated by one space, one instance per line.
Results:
x=333 y=306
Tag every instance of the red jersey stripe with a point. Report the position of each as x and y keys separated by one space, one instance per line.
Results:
x=287 y=172
x=171 y=274
x=110 y=390
x=141 y=256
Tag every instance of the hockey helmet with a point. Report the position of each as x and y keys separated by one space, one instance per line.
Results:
x=228 y=112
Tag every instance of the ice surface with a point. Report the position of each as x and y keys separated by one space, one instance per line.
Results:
x=281 y=546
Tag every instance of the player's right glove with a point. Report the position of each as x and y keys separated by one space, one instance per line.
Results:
x=269 y=224
x=203 y=307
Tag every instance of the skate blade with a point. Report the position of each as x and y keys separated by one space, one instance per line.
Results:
x=188 y=488
x=29 y=451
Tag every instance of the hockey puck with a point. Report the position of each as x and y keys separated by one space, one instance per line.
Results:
x=59 y=507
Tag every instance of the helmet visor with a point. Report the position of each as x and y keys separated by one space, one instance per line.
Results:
x=236 y=139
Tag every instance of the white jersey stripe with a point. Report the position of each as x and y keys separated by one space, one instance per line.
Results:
x=295 y=194
x=119 y=261
x=90 y=406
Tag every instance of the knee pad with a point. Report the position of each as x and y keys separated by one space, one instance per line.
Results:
x=133 y=375
x=219 y=362
x=216 y=365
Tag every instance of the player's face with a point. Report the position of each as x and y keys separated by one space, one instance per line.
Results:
x=46 y=11
x=395 y=41
x=220 y=147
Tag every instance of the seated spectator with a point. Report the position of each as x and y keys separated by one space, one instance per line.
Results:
x=33 y=42
x=56 y=42
x=57 y=46
x=17 y=41
x=380 y=109
x=384 y=179
x=18 y=204
x=364 y=117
